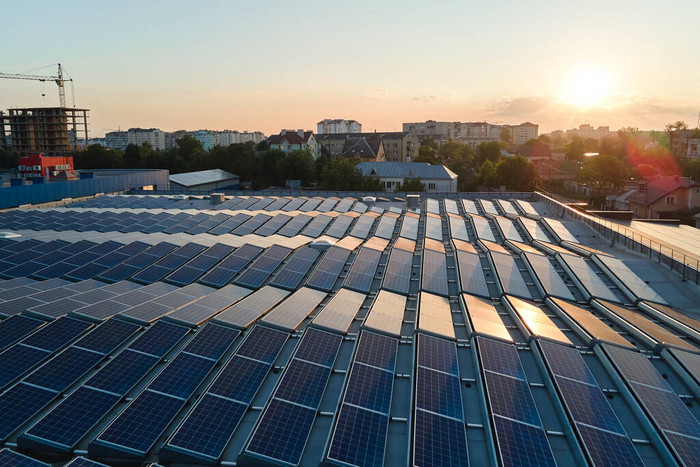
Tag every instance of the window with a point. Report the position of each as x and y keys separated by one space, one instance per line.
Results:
x=431 y=186
x=670 y=200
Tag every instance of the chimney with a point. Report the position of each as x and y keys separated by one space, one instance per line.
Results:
x=283 y=132
x=642 y=187
x=300 y=133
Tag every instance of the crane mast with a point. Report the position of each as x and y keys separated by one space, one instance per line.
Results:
x=58 y=79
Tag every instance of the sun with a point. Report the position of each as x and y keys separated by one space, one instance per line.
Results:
x=587 y=88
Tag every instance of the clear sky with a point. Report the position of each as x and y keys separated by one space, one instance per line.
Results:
x=266 y=65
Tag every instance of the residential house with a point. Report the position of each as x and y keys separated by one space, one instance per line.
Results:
x=367 y=148
x=299 y=140
x=658 y=195
x=436 y=178
x=337 y=125
x=399 y=146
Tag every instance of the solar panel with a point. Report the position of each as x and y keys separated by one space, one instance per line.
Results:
x=15 y=328
x=209 y=427
x=123 y=372
x=434 y=272
x=291 y=313
x=359 y=437
x=521 y=444
x=212 y=341
x=263 y=266
x=299 y=264
x=409 y=227
x=84 y=462
x=510 y=279
x=18 y=404
x=273 y=225
x=251 y=225
x=605 y=448
x=182 y=376
x=282 y=432
x=168 y=264
x=363 y=225
x=248 y=310
x=303 y=383
x=240 y=379
x=263 y=344
x=56 y=334
x=385 y=228
x=293 y=227
x=438 y=393
x=437 y=354
x=73 y=418
x=328 y=270
x=318 y=347
x=566 y=362
x=377 y=350
x=159 y=338
x=64 y=369
x=588 y=405
x=363 y=269
x=230 y=224
x=635 y=367
x=11 y=458
x=397 y=275
x=106 y=337
x=339 y=226
x=511 y=398
x=339 y=313
x=222 y=273
x=433 y=228
x=438 y=440
x=140 y=425
x=316 y=226
x=17 y=360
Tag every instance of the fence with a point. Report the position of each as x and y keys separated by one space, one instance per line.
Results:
x=682 y=262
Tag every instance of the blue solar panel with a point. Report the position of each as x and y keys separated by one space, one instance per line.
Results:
x=370 y=387
x=589 y=405
x=329 y=269
x=359 y=437
x=159 y=339
x=439 y=393
x=636 y=367
x=109 y=335
x=240 y=379
x=212 y=341
x=221 y=274
x=84 y=462
x=566 y=361
x=500 y=357
x=182 y=376
x=362 y=271
x=20 y=403
x=64 y=369
x=319 y=347
x=303 y=383
x=263 y=344
x=263 y=266
x=142 y=423
x=434 y=273
x=15 y=328
x=438 y=441
x=56 y=334
x=17 y=360
x=437 y=354
x=292 y=273
x=685 y=447
x=397 y=275
x=377 y=350
x=10 y=458
x=605 y=448
x=123 y=372
x=73 y=418
x=209 y=427
x=667 y=409
x=520 y=444
x=511 y=398
x=282 y=432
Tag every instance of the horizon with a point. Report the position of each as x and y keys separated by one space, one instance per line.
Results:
x=270 y=66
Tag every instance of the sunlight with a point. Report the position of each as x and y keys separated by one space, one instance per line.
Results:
x=587 y=88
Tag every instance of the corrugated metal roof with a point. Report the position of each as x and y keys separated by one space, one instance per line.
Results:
x=202 y=177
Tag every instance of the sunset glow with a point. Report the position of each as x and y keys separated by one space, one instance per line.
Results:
x=588 y=88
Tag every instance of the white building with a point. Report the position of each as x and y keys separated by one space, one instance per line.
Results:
x=523 y=132
x=436 y=178
x=299 y=140
x=471 y=133
x=205 y=137
x=254 y=136
x=588 y=131
x=335 y=126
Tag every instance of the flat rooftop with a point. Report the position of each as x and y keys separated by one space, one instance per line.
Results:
x=288 y=330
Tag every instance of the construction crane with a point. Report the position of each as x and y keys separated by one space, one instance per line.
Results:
x=58 y=79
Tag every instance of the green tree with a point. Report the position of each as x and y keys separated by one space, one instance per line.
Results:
x=575 y=149
x=411 y=185
x=603 y=171
x=676 y=126
x=516 y=173
x=487 y=175
x=490 y=151
x=299 y=165
x=427 y=152
x=98 y=157
x=343 y=175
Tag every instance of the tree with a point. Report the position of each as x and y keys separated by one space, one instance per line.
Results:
x=516 y=173
x=411 y=184
x=676 y=126
x=343 y=175
x=299 y=165
x=427 y=152
x=575 y=148
x=603 y=171
x=490 y=151
x=487 y=175
x=98 y=157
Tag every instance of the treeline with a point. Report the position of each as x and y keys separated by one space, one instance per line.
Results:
x=259 y=165
x=482 y=168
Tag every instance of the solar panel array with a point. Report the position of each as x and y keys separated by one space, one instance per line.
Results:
x=475 y=331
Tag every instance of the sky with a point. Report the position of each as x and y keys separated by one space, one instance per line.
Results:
x=267 y=65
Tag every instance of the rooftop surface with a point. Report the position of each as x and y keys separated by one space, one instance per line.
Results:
x=190 y=179
x=406 y=170
x=477 y=330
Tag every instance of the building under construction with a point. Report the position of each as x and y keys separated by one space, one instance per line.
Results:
x=48 y=130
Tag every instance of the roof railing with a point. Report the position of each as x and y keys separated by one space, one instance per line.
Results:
x=678 y=260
